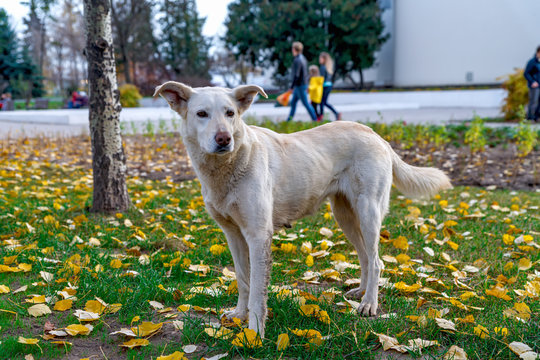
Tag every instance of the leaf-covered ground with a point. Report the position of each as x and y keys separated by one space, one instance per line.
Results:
x=462 y=273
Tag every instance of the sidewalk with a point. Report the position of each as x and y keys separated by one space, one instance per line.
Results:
x=415 y=107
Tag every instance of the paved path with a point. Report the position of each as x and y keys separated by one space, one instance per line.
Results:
x=434 y=107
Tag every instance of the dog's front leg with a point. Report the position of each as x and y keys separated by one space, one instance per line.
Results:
x=260 y=261
x=240 y=254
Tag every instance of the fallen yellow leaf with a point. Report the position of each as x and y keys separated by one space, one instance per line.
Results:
x=498 y=292
x=28 y=341
x=247 y=338
x=79 y=329
x=524 y=264
x=217 y=249
x=95 y=306
x=222 y=333
x=401 y=243
x=481 y=331
x=135 y=343
x=282 y=342
x=403 y=258
x=63 y=305
x=407 y=288
x=116 y=264
x=309 y=310
x=37 y=299
x=146 y=328
x=184 y=308
x=313 y=336
x=177 y=355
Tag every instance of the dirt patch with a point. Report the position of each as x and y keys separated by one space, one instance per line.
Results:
x=162 y=157
x=498 y=166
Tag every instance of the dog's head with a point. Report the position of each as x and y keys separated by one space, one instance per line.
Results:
x=210 y=115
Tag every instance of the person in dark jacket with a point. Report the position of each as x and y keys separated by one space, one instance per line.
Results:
x=532 y=74
x=299 y=81
x=327 y=70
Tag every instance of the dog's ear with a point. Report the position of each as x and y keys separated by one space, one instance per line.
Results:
x=244 y=95
x=176 y=94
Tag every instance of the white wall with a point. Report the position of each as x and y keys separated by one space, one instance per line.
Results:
x=438 y=41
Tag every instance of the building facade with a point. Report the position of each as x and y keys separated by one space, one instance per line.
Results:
x=455 y=42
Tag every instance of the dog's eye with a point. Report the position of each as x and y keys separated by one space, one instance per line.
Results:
x=229 y=113
x=202 y=113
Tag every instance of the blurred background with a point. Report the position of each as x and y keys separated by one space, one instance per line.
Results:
x=376 y=44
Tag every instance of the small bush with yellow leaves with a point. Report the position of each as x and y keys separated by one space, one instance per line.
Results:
x=129 y=95
x=517 y=95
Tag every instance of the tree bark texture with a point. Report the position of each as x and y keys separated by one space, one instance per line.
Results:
x=108 y=158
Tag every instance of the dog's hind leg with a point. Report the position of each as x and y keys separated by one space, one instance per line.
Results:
x=240 y=254
x=370 y=218
x=348 y=221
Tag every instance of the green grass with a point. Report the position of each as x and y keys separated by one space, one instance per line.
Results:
x=43 y=208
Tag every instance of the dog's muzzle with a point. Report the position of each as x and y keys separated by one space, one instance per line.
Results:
x=222 y=149
x=223 y=142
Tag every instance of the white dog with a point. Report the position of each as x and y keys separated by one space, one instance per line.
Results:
x=255 y=181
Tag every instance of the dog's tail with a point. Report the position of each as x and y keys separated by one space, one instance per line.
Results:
x=417 y=182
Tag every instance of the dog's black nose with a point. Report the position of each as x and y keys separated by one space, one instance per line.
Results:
x=223 y=138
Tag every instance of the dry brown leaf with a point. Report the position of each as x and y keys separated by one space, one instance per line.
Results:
x=455 y=353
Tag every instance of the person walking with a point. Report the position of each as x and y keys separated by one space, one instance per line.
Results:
x=299 y=81
x=327 y=70
x=315 y=89
x=532 y=74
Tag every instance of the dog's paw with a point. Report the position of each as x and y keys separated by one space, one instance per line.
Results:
x=356 y=293
x=236 y=313
x=368 y=308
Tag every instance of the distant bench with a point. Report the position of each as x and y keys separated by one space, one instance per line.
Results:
x=42 y=104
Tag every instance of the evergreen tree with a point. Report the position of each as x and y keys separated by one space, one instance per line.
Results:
x=8 y=52
x=30 y=76
x=18 y=73
x=263 y=31
x=133 y=33
x=356 y=34
x=183 y=47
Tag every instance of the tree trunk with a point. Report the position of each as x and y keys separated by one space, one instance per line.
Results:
x=108 y=158
x=357 y=85
x=243 y=70
x=127 y=73
x=61 y=71
x=42 y=48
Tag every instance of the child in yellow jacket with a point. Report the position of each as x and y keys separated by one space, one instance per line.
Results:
x=315 y=89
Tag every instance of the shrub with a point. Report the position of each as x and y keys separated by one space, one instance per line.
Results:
x=517 y=95
x=526 y=138
x=474 y=137
x=129 y=95
x=439 y=135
